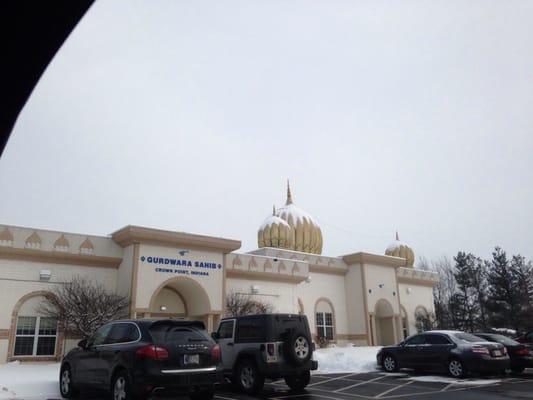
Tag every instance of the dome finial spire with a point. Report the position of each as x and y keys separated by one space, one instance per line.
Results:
x=273 y=209
x=397 y=237
x=289 y=196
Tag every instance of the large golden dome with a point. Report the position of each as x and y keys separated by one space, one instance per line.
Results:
x=400 y=249
x=291 y=228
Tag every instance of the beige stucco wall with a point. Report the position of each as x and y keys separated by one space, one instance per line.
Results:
x=326 y=286
x=355 y=307
x=281 y=295
x=125 y=271
x=412 y=296
x=377 y=275
x=3 y=350
x=171 y=300
x=18 y=278
x=148 y=280
x=103 y=246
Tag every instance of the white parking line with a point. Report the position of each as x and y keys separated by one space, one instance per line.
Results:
x=302 y=395
x=223 y=398
x=392 y=390
x=398 y=396
x=359 y=384
x=359 y=396
x=331 y=380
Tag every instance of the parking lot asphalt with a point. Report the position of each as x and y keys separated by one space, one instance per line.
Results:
x=380 y=385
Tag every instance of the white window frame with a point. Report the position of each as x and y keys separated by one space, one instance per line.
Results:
x=35 y=336
x=323 y=328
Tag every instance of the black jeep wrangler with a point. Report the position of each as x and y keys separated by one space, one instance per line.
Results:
x=270 y=346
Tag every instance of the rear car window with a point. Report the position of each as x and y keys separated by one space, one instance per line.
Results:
x=284 y=325
x=251 y=330
x=468 y=338
x=122 y=333
x=170 y=333
x=502 y=339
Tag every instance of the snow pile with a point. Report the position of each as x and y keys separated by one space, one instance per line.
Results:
x=445 y=379
x=29 y=381
x=504 y=331
x=346 y=359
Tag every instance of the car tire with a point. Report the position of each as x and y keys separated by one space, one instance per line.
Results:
x=121 y=387
x=203 y=394
x=456 y=368
x=517 y=370
x=248 y=378
x=390 y=364
x=66 y=383
x=298 y=347
x=297 y=383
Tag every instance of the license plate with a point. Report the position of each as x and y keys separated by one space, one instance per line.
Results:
x=497 y=353
x=191 y=359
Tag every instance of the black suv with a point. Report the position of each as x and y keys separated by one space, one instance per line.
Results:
x=263 y=346
x=137 y=358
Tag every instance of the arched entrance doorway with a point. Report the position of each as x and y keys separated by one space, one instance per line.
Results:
x=181 y=297
x=384 y=315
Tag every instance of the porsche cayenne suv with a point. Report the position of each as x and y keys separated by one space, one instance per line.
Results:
x=139 y=358
x=456 y=352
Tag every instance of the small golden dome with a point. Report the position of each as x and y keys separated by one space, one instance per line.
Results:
x=291 y=228
x=274 y=232
x=400 y=249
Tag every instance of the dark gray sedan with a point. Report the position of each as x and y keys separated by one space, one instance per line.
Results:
x=456 y=352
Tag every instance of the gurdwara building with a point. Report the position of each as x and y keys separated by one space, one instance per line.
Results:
x=361 y=298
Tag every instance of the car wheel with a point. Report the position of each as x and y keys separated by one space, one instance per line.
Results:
x=517 y=370
x=203 y=394
x=121 y=387
x=298 y=348
x=248 y=378
x=456 y=368
x=390 y=364
x=298 y=382
x=66 y=383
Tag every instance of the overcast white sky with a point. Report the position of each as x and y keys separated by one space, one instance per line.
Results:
x=190 y=116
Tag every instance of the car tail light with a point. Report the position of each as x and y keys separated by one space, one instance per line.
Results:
x=480 y=350
x=215 y=353
x=271 y=350
x=523 y=352
x=153 y=352
x=504 y=350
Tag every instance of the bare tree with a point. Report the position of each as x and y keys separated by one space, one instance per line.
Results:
x=238 y=304
x=443 y=294
x=425 y=322
x=81 y=306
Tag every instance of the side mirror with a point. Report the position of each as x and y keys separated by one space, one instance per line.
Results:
x=83 y=344
x=214 y=335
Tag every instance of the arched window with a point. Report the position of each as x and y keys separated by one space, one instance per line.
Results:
x=35 y=334
x=324 y=319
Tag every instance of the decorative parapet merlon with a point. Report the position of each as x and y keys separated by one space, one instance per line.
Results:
x=417 y=276
x=252 y=266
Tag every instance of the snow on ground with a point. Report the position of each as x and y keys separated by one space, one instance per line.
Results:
x=446 y=379
x=29 y=381
x=346 y=359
